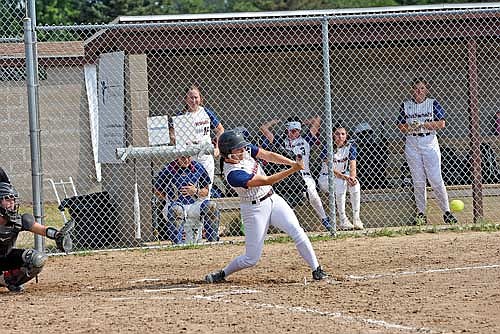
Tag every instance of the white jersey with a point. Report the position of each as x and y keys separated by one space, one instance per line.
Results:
x=201 y=121
x=300 y=146
x=341 y=159
x=252 y=167
x=419 y=112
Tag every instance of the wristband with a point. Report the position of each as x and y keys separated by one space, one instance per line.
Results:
x=51 y=232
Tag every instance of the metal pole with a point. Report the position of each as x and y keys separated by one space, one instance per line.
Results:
x=329 y=123
x=474 y=133
x=34 y=124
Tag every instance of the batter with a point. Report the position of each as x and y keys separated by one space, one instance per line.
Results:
x=259 y=205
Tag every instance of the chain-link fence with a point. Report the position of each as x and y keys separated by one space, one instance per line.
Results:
x=291 y=84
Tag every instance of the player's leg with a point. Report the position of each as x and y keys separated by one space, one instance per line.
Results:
x=416 y=165
x=323 y=177
x=355 y=195
x=24 y=265
x=316 y=203
x=256 y=221
x=340 y=198
x=210 y=216
x=193 y=226
x=284 y=218
x=174 y=216
x=432 y=163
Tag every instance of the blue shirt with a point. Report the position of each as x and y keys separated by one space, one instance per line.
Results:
x=173 y=177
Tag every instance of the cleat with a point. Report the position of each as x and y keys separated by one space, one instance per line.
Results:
x=420 y=219
x=358 y=225
x=449 y=218
x=15 y=288
x=345 y=225
x=216 y=277
x=326 y=223
x=319 y=274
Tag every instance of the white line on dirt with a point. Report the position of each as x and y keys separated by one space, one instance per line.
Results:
x=219 y=296
x=416 y=272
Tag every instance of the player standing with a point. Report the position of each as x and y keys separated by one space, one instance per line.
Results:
x=344 y=170
x=419 y=118
x=294 y=142
x=259 y=205
x=203 y=119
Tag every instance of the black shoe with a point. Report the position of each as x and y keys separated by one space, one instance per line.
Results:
x=319 y=274
x=449 y=218
x=15 y=288
x=420 y=219
x=216 y=277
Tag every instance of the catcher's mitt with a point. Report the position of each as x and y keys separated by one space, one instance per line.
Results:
x=62 y=237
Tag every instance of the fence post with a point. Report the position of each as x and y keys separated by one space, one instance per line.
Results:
x=329 y=126
x=34 y=123
x=474 y=133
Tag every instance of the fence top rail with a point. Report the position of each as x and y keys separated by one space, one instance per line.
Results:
x=322 y=12
x=146 y=22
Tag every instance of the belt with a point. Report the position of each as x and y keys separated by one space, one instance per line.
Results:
x=266 y=196
x=420 y=134
x=306 y=173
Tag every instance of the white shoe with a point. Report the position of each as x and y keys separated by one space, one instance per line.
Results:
x=358 y=225
x=345 y=224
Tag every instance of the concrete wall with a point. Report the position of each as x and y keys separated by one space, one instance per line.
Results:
x=65 y=135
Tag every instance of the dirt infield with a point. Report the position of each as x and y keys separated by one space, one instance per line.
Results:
x=430 y=283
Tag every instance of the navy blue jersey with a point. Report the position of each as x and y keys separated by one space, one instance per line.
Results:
x=173 y=177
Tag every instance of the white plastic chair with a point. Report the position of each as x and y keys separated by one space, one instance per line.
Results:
x=62 y=185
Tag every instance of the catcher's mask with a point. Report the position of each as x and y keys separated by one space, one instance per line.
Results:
x=7 y=191
x=229 y=141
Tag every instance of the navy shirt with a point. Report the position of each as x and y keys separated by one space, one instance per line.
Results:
x=173 y=177
x=240 y=177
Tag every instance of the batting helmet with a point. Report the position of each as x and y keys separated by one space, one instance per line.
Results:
x=7 y=191
x=231 y=140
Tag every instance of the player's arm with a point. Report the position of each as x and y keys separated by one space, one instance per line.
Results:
x=434 y=125
x=274 y=157
x=438 y=121
x=61 y=237
x=266 y=129
x=402 y=125
x=171 y=134
x=267 y=180
x=219 y=129
x=314 y=125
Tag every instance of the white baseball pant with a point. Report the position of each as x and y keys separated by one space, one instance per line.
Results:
x=424 y=159
x=341 y=187
x=190 y=215
x=273 y=211
x=313 y=196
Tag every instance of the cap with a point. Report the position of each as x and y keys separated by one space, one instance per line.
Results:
x=362 y=127
x=294 y=125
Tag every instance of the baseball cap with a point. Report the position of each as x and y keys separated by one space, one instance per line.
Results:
x=361 y=127
x=294 y=125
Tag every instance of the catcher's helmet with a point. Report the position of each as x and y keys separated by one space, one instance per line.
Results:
x=231 y=140
x=7 y=191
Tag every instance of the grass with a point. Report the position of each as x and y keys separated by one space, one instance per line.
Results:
x=52 y=215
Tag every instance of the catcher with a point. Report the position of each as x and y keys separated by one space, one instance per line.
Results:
x=17 y=265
